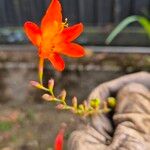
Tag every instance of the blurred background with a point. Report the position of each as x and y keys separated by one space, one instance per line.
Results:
x=99 y=16
x=26 y=121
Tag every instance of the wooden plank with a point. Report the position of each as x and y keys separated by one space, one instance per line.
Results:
x=70 y=10
x=28 y=10
x=3 y=17
x=93 y=36
x=104 y=12
x=86 y=12
x=25 y=10
x=40 y=7
x=141 y=7
x=47 y=2
x=10 y=13
x=122 y=9
x=16 y=5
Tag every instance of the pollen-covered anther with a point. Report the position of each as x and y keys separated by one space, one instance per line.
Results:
x=65 y=24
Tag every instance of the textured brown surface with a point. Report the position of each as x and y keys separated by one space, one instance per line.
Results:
x=18 y=65
x=131 y=130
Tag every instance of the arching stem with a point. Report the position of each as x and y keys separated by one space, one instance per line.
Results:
x=41 y=64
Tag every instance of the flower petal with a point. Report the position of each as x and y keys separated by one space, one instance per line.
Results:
x=59 y=140
x=72 y=50
x=53 y=14
x=71 y=33
x=57 y=61
x=33 y=32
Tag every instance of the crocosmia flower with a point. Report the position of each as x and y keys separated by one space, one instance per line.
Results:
x=59 y=140
x=54 y=37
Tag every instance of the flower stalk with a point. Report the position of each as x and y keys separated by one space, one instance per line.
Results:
x=54 y=38
x=96 y=106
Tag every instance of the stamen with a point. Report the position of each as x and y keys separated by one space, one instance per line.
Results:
x=65 y=24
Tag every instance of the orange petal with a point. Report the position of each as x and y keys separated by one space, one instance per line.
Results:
x=57 y=61
x=72 y=50
x=59 y=140
x=33 y=32
x=73 y=32
x=52 y=15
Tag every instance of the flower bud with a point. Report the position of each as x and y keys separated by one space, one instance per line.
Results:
x=47 y=97
x=85 y=105
x=62 y=95
x=60 y=106
x=95 y=103
x=51 y=84
x=75 y=102
x=111 y=102
x=36 y=84
x=81 y=107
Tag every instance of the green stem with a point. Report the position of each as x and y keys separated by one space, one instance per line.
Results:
x=41 y=64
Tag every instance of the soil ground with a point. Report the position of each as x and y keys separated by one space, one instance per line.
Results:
x=31 y=127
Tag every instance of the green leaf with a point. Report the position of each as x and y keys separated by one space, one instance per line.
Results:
x=142 y=20
x=145 y=23
x=5 y=126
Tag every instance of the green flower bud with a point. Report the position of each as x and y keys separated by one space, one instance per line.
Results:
x=95 y=103
x=111 y=102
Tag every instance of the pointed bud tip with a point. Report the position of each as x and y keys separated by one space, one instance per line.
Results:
x=47 y=97
x=36 y=84
x=60 y=106
x=51 y=84
x=74 y=101
x=85 y=103
x=51 y=81
x=63 y=95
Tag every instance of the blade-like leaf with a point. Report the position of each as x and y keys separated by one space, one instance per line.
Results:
x=145 y=23
x=142 y=20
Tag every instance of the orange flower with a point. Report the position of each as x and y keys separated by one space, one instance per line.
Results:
x=54 y=37
x=59 y=140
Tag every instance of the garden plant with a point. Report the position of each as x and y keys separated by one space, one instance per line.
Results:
x=55 y=38
x=143 y=21
x=120 y=129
